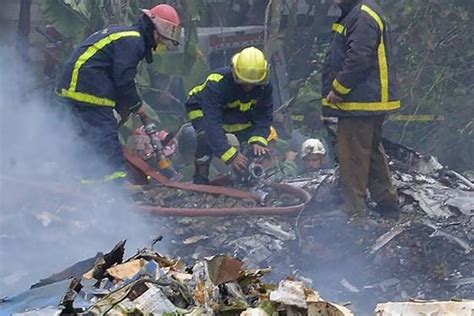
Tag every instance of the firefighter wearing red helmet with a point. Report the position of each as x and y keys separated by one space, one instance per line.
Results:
x=99 y=77
x=166 y=21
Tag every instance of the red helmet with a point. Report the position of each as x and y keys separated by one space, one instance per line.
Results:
x=166 y=21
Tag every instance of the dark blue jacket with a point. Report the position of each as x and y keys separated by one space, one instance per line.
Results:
x=219 y=105
x=101 y=71
x=359 y=66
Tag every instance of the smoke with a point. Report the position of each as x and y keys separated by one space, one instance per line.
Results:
x=45 y=223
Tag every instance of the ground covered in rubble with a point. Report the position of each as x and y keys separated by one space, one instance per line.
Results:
x=335 y=257
x=160 y=196
x=417 y=257
x=426 y=254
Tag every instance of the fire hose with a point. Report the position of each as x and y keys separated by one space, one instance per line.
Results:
x=141 y=165
x=73 y=193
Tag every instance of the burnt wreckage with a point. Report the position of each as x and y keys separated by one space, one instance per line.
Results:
x=426 y=255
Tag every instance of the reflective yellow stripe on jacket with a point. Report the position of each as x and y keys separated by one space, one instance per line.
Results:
x=88 y=54
x=258 y=139
x=195 y=114
x=339 y=28
x=363 y=106
x=340 y=88
x=228 y=154
x=211 y=77
x=382 y=55
x=233 y=128
x=243 y=106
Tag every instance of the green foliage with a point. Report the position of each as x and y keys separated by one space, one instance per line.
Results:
x=67 y=17
x=435 y=50
x=181 y=64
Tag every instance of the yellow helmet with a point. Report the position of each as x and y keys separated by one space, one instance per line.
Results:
x=250 y=66
x=273 y=134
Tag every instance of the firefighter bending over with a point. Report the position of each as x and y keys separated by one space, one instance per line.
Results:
x=99 y=77
x=235 y=99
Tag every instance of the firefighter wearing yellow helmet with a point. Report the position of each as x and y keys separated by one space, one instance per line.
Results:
x=250 y=66
x=234 y=99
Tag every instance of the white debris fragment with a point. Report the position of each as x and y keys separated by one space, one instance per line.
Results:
x=194 y=239
x=290 y=293
x=48 y=311
x=464 y=308
x=384 y=285
x=348 y=286
x=152 y=301
x=254 y=312
x=276 y=231
x=388 y=236
x=439 y=233
x=459 y=241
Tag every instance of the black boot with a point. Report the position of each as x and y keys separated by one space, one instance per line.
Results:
x=201 y=170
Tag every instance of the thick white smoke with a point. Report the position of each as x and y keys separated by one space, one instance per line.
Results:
x=42 y=228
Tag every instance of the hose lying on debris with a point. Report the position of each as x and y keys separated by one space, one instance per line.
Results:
x=141 y=165
x=72 y=193
x=236 y=211
x=144 y=167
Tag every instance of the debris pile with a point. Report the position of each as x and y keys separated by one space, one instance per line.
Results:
x=150 y=283
x=176 y=198
x=426 y=255
x=260 y=241
x=161 y=196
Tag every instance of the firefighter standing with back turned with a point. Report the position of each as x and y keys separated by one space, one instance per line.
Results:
x=359 y=82
x=99 y=77
x=235 y=99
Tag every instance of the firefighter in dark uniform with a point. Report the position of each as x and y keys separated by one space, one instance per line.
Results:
x=360 y=89
x=99 y=77
x=235 y=99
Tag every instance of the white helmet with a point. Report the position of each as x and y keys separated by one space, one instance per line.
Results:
x=312 y=146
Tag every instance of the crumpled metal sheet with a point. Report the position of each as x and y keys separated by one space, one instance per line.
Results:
x=74 y=271
x=465 y=308
x=463 y=201
x=222 y=269
x=139 y=297
x=48 y=311
x=49 y=296
x=126 y=270
x=430 y=198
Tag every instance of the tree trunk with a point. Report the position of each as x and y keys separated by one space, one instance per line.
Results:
x=23 y=32
x=272 y=26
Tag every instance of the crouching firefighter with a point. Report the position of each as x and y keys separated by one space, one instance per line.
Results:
x=235 y=99
x=99 y=77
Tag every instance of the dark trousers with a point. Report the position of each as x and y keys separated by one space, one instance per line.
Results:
x=204 y=152
x=98 y=130
x=363 y=163
x=202 y=143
